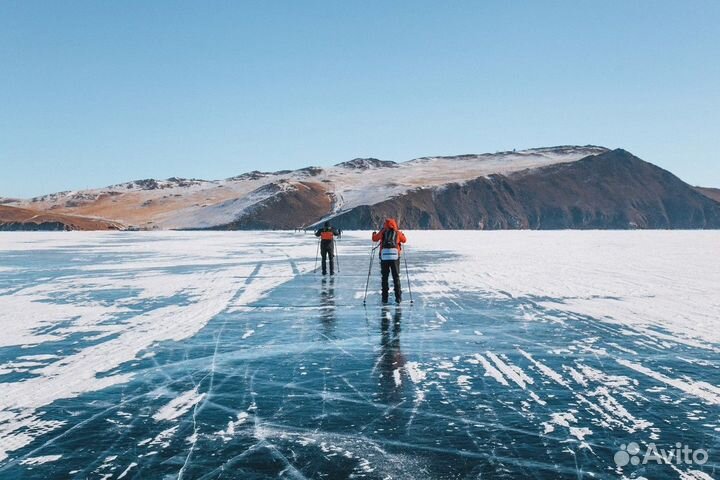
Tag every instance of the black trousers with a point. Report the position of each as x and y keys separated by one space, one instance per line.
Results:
x=327 y=250
x=386 y=268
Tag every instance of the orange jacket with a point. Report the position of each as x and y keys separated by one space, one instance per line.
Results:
x=390 y=224
x=327 y=233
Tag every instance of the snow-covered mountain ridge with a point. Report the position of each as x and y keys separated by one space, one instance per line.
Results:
x=178 y=203
x=514 y=189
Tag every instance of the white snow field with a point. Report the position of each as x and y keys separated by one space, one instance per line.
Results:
x=224 y=355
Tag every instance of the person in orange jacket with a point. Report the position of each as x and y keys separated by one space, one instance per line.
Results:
x=391 y=239
x=327 y=236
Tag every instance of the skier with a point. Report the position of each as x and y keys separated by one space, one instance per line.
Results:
x=327 y=236
x=391 y=239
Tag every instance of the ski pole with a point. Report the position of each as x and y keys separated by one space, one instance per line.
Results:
x=337 y=257
x=367 y=282
x=316 y=257
x=407 y=275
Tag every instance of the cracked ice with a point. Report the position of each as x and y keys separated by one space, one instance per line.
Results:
x=222 y=355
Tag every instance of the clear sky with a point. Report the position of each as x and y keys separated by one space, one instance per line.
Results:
x=99 y=92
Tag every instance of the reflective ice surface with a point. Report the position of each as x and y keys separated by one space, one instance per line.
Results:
x=206 y=355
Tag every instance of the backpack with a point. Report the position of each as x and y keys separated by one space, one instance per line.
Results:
x=389 y=239
x=389 y=250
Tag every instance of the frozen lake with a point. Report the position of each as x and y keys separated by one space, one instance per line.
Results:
x=222 y=355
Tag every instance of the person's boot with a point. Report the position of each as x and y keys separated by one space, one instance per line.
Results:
x=398 y=299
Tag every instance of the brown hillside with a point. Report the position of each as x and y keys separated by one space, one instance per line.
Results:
x=14 y=218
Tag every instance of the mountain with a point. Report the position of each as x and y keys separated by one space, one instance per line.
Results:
x=611 y=190
x=713 y=193
x=14 y=218
x=367 y=163
x=541 y=188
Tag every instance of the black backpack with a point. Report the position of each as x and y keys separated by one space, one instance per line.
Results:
x=390 y=239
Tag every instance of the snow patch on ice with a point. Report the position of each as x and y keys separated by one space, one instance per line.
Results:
x=414 y=372
x=464 y=382
x=512 y=372
x=127 y=470
x=40 y=459
x=179 y=406
x=703 y=390
x=491 y=371
x=547 y=371
x=580 y=432
x=163 y=438
x=616 y=277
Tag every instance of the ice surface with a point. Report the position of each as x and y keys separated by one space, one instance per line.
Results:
x=222 y=355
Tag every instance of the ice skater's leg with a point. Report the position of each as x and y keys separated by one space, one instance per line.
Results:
x=385 y=272
x=324 y=252
x=395 y=268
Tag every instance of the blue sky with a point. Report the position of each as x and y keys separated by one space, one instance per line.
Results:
x=95 y=93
